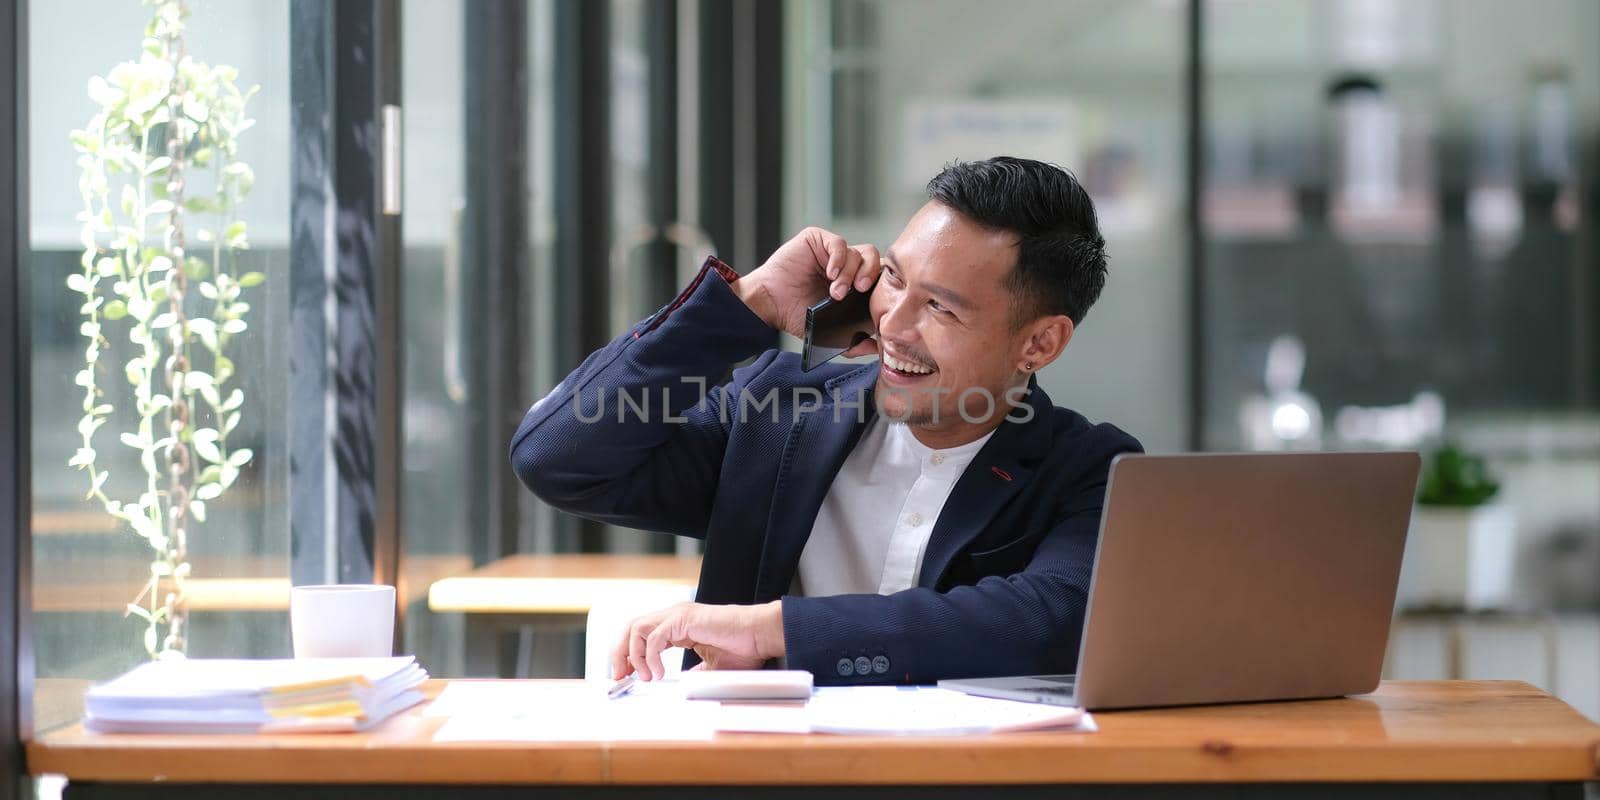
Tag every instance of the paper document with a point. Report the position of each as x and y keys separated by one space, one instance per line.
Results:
x=480 y=711
x=931 y=711
x=492 y=711
x=763 y=718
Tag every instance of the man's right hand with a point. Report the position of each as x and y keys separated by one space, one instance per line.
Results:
x=814 y=264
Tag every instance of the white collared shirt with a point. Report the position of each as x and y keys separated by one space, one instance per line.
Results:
x=873 y=527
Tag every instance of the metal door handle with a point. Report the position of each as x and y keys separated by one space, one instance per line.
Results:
x=455 y=379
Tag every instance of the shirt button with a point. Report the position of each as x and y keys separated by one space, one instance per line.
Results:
x=845 y=666
x=914 y=519
x=880 y=664
x=937 y=459
x=863 y=665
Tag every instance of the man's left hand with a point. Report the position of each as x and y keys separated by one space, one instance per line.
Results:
x=724 y=636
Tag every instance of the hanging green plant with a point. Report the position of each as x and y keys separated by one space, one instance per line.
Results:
x=165 y=122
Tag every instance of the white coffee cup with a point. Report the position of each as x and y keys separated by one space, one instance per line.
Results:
x=348 y=620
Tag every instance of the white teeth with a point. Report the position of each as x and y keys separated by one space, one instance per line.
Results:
x=905 y=366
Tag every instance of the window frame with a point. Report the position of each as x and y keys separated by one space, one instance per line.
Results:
x=16 y=641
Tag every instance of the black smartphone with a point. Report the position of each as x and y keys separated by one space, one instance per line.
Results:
x=834 y=326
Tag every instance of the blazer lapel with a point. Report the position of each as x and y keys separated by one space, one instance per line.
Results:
x=816 y=449
x=996 y=474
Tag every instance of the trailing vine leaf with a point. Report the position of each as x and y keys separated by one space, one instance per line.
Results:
x=163 y=118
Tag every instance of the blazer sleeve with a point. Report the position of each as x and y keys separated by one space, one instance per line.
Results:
x=635 y=435
x=1028 y=623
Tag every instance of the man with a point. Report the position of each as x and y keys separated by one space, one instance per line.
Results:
x=928 y=516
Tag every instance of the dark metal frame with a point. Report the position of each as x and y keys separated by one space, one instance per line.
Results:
x=741 y=128
x=583 y=186
x=1586 y=283
x=365 y=267
x=353 y=51
x=1194 y=189
x=762 y=60
x=389 y=402
x=494 y=257
x=16 y=496
x=716 y=128
x=661 y=257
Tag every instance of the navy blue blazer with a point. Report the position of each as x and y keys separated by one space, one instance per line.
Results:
x=1004 y=578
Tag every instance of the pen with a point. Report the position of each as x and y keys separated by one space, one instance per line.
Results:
x=621 y=687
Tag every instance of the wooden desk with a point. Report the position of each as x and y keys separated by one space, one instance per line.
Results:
x=1408 y=739
x=549 y=594
x=532 y=585
x=257 y=583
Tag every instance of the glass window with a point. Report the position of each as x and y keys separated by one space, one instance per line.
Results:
x=160 y=197
x=438 y=538
x=1393 y=220
x=1398 y=245
x=885 y=92
x=456 y=440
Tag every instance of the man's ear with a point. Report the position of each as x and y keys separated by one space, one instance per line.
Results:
x=1046 y=338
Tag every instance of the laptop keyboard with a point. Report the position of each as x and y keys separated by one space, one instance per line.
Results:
x=1064 y=690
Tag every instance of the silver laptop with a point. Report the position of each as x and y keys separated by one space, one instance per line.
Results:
x=1224 y=578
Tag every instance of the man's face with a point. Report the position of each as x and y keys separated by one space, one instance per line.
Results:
x=941 y=305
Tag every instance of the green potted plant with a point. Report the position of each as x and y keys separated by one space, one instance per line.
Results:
x=162 y=297
x=1461 y=550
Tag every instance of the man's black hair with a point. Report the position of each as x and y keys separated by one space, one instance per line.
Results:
x=1061 y=256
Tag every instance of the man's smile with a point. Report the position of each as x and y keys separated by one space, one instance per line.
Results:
x=902 y=366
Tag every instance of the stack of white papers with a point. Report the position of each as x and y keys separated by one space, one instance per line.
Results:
x=255 y=696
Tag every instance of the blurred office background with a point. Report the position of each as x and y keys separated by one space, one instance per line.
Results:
x=1340 y=224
